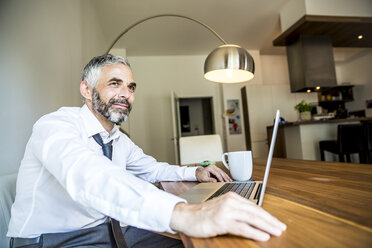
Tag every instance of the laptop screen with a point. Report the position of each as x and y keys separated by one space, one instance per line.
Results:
x=269 y=158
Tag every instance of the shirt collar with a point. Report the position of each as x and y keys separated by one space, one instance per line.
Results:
x=93 y=126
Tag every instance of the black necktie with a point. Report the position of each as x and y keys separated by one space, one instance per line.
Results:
x=118 y=235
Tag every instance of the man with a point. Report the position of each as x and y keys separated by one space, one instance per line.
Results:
x=70 y=188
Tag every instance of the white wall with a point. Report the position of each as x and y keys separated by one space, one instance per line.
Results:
x=44 y=45
x=339 y=7
x=234 y=142
x=291 y=13
x=296 y=9
x=354 y=66
x=150 y=121
x=271 y=94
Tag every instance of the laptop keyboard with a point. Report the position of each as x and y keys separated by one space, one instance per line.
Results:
x=243 y=189
x=258 y=192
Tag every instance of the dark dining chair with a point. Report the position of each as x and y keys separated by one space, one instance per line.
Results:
x=368 y=128
x=351 y=138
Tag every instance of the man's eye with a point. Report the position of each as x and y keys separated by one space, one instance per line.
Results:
x=132 y=88
x=114 y=83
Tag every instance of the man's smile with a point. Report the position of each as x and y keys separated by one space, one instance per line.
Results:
x=120 y=105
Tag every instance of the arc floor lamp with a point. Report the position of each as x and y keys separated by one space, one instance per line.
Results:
x=227 y=63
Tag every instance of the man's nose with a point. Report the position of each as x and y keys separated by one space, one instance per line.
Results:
x=124 y=92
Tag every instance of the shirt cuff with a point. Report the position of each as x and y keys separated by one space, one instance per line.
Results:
x=190 y=173
x=164 y=207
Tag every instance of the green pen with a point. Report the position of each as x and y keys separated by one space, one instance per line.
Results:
x=206 y=163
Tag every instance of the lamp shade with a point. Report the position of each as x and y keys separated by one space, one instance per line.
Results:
x=229 y=64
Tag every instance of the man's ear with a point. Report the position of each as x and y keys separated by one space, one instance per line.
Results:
x=86 y=90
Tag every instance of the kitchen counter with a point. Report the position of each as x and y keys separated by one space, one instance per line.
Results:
x=334 y=120
x=300 y=139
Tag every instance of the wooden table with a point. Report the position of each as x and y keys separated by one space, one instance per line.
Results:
x=324 y=204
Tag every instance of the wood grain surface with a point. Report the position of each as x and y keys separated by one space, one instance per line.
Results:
x=324 y=204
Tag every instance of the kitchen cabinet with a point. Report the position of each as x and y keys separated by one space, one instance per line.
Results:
x=334 y=98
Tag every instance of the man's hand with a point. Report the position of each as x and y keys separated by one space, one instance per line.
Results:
x=211 y=173
x=227 y=214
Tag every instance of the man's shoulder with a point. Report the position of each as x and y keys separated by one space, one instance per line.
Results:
x=64 y=114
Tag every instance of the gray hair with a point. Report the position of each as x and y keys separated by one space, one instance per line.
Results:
x=93 y=69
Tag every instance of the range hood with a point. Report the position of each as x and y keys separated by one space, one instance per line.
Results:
x=311 y=64
x=310 y=43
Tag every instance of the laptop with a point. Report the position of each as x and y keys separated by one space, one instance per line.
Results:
x=252 y=190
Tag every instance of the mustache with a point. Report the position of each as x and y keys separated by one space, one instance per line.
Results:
x=121 y=101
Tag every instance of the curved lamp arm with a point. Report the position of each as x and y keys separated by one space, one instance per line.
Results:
x=164 y=15
x=226 y=64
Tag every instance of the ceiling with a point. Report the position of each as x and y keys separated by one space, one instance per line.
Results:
x=249 y=23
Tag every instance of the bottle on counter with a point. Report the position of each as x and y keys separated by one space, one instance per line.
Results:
x=341 y=112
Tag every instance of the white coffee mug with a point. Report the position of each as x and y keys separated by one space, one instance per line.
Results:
x=240 y=164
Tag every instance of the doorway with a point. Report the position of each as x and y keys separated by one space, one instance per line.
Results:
x=196 y=116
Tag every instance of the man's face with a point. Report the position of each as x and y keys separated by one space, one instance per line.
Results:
x=113 y=96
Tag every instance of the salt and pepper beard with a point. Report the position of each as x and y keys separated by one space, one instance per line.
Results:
x=115 y=115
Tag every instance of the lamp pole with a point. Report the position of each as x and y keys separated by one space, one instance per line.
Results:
x=164 y=15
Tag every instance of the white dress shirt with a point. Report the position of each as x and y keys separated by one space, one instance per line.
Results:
x=65 y=183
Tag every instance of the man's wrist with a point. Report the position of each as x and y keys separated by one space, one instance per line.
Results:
x=197 y=171
x=177 y=221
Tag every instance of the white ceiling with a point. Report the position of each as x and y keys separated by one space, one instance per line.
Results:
x=252 y=24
